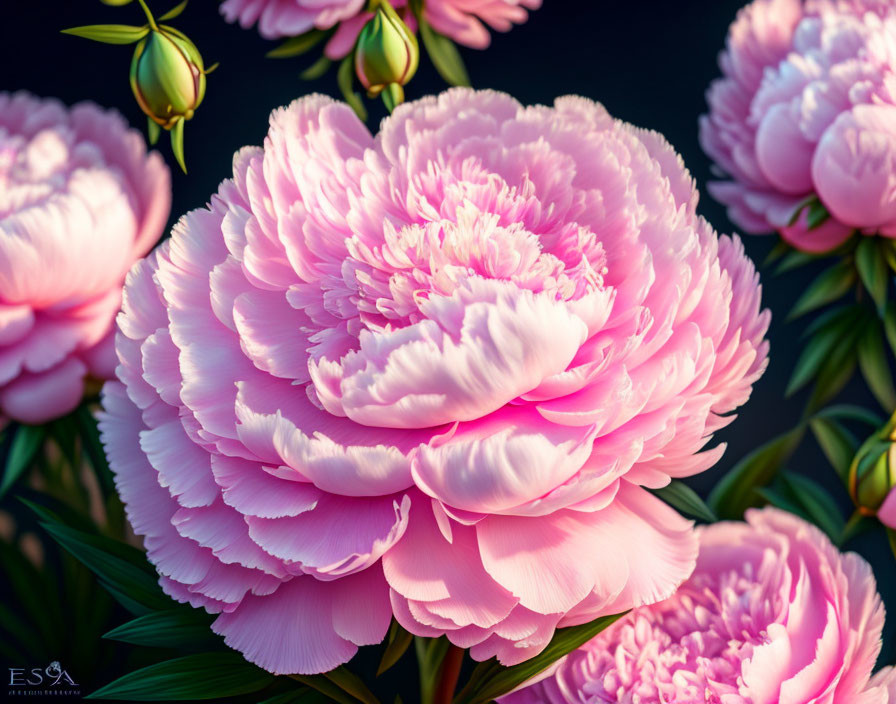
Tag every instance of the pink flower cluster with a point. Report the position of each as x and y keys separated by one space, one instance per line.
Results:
x=773 y=613
x=807 y=106
x=80 y=201
x=464 y=21
x=427 y=373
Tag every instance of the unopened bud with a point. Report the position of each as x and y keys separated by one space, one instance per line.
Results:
x=167 y=76
x=387 y=54
x=871 y=475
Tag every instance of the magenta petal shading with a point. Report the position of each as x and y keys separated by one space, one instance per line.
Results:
x=439 y=363
x=772 y=613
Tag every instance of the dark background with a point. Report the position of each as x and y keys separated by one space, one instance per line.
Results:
x=648 y=62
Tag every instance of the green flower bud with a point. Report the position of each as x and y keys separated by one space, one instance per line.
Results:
x=387 y=53
x=871 y=474
x=167 y=76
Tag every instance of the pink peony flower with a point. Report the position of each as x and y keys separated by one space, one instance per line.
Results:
x=426 y=374
x=464 y=21
x=807 y=106
x=80 y=201
x=773 y=613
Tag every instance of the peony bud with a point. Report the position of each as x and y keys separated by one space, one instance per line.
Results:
x=871 y=475
x=167 y=76
x=387 y=55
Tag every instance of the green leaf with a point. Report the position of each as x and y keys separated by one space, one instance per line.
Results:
x=25 y=444
x=153 y=130
x=109 y=33
x=350 y=683
x=444 y=55
x=818 y=505
x=173 y=12
x=849 y=412
x=828 y=287
x=299 y=695
x=814 y=354
x=93 y=447
x=779 y=250
x=684 y=499
x=173 y=628
x=116 y=3
x=795 y=260
x=875 y=367
x=321 y=684
x=805 y=203
x=735 y=492
x=177 y=143
x=201 y=676
x=345 y=79
x=890 y=325
x=431 y=653
x=397 y=643
x=835 y=373
x=837 y=443
x=505 y=679
x=316 y=70
x=816 y=215
x=296 y=46
x=120 y=567
x=872 y=268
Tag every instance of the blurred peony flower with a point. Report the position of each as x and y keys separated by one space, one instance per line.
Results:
x=807 y=106
x=462 y=20
x=427 y=373
x=773 y=613
x=80 y=201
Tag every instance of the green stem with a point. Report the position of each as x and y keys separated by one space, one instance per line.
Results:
x=149 y=17
x=448 y=675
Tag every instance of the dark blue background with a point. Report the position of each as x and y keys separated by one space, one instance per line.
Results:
x=648 y=62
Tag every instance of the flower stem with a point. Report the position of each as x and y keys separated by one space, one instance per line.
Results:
x=149 y=17
x=448 y=675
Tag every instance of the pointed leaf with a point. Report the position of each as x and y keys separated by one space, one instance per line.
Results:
x=350 y=683
x=819 y=506
x=109 y=33
x=828 y=287
x=779 y=250
x=193 y=677
x=794 y=260
x=684 y=499
x=875 y=367
x=872 y=267
x=855 y=413
x=316 y=70
x=814 y=354
x=173 y=12
x=153 y=131
x=565 y=640
x=345 y=79
x=805 y=203
x=835 y=373
x=321 y=684
x=735 y=492
x=817 y=215
x=93 y=448
x=25 y=444
x=172 y=628
x=397 y=643
x=177 y=144
x=296 y=46
x=837 y=443
x=444 y=55
x=116 y=3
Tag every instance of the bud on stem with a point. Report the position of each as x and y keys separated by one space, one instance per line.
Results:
x=387 y=54
x=871 y=474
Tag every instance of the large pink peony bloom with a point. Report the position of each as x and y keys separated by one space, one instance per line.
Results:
x=463 y=20
x=807 y=106
x=773 y=613
x=426 y=373
x=80 y=201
